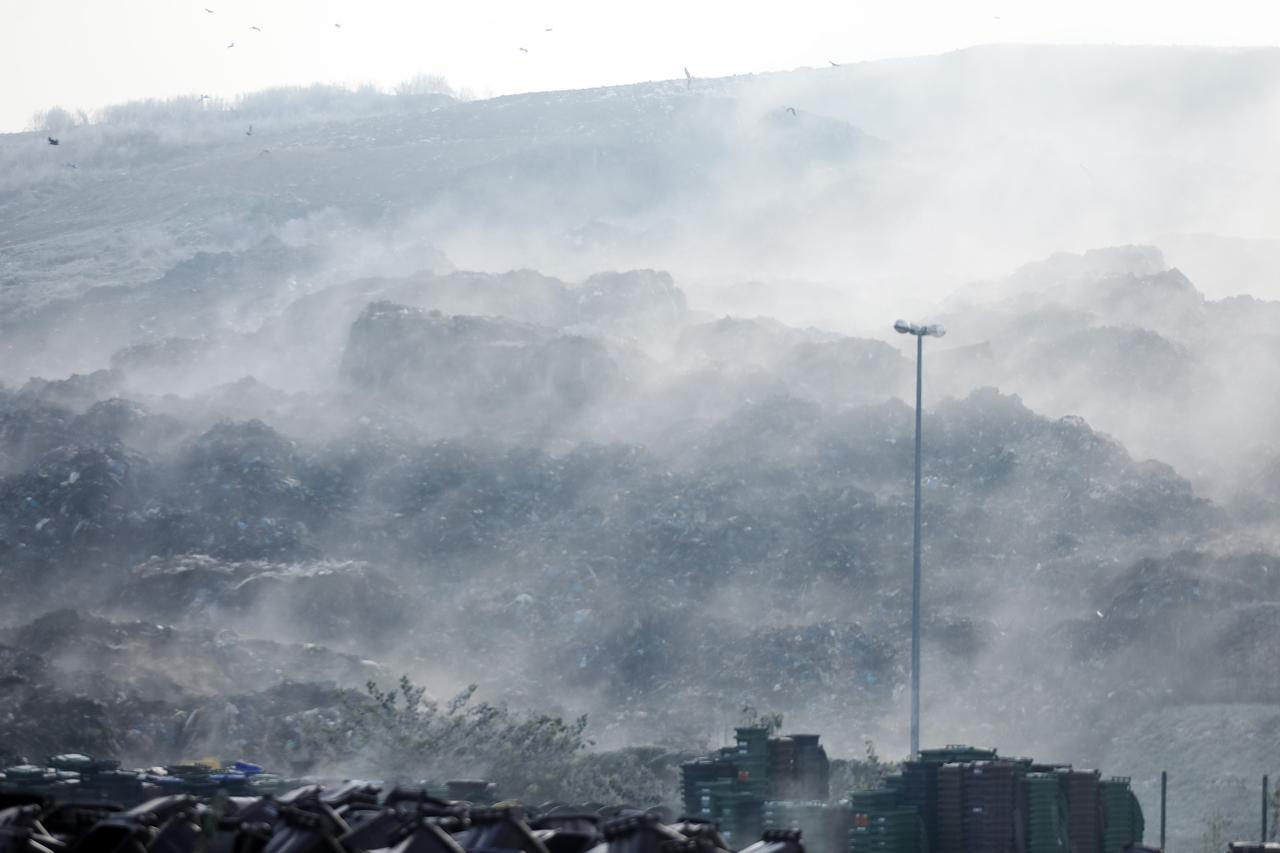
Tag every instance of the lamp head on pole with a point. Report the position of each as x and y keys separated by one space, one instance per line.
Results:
x=905 y=328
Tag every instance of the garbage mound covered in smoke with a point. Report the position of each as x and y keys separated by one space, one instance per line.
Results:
x=465 y=364
x=322 y=601
x=89 y=652
x=599 y=154
x=584 y=493
x=590 y=496
x=1116 y=337
x=81 y=682
x=525 y=486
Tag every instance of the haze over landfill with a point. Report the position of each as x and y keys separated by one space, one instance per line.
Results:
x=591 y=398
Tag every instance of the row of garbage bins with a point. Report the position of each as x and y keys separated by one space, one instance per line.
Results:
x=351 y=817
x=957 y=799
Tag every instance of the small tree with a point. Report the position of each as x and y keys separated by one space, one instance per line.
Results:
x=859 y=774
x=1214 y=837
x=758 y=719
x=638 y=775
x=54 y=120
x=405 y=735
x=1274 y=803
x=424 y=84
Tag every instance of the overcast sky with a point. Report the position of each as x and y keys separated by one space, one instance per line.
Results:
x=89 y=53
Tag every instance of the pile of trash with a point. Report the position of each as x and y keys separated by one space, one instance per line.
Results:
x=461 y=371
x=78 y=682
x=322 y=600
x=76 y=777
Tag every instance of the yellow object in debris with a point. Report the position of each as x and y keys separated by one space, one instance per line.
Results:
x=207 y=763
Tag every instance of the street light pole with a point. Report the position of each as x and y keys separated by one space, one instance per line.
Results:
x=915 y=569
x=920 y=332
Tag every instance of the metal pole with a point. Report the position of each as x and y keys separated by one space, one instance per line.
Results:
x=915 y=570
x=1265 y=780
x=1164 y=790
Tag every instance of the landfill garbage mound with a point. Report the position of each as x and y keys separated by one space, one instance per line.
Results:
x=591 y=488
x=326 y=601
x=1118 y=337
x=665 y=168
x=280 y=425
x=587 y=496
x=74 y=680
x=464 y=365
x=325 y=540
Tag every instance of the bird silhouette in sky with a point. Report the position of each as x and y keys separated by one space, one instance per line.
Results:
x=256 y=29
x=339 y=26
x=207 y=9
x=523 y=49
x=249 y=132
x=834 y=64
x=233 y=44
x=688 y=78
x=52 y=141
x=791 y=110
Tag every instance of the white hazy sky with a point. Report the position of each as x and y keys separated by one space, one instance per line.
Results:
x=89 y=53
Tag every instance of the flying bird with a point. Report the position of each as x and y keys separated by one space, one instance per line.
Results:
x=791 y=110
x=523 y=49
x=233 y=44
x=339 y=26
x=249 y=132
x=834 y=64
x=688 y=78
x=52 y=141
x=256 y=29
x=207 y=9
x=204 y=97
x=547 y=30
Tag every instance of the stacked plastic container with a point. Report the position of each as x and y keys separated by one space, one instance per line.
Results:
x=752 y=759
x=920 y=789
x=696 y=775
x=1123 y=823
x=882 y=823
x=814 y=819
x=812 y=773
x=1046 y=811
x=950 y=817
x=990 y=795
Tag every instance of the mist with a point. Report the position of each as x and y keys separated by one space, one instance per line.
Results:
x=591 y=399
